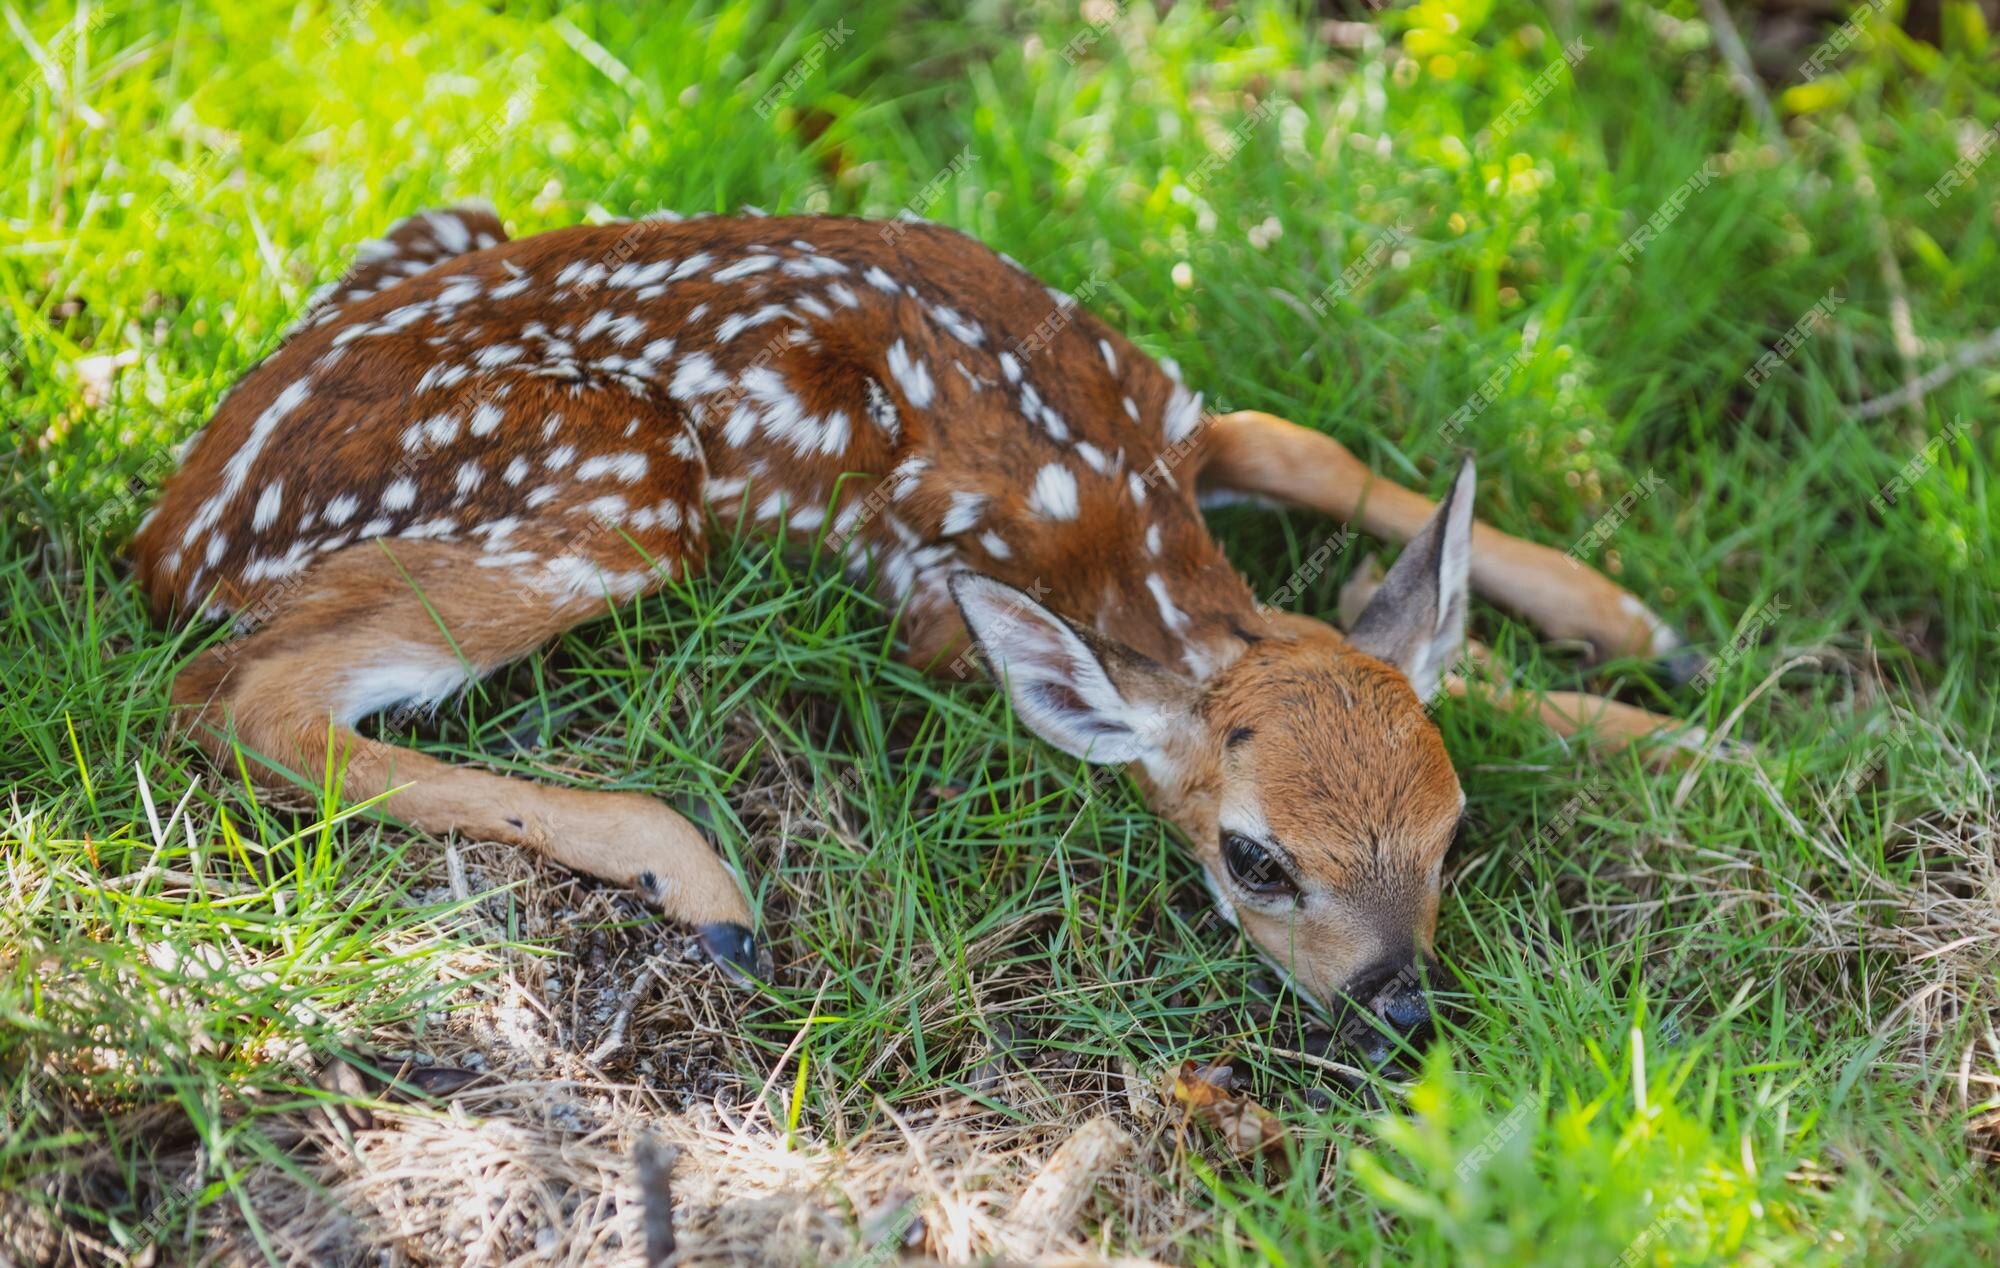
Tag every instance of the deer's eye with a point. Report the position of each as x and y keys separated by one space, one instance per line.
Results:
x=1251 y=866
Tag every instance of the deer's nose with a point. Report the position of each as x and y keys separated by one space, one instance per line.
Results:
x=1391 y=1008
x=1407 y=1009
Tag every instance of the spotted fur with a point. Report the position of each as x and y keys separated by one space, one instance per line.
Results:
x=472 y=444
x=579 y=404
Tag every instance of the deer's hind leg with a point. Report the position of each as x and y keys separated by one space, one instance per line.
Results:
x=1265 y=456
x=390 y=621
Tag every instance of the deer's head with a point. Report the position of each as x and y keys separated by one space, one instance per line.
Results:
x=1306 y=774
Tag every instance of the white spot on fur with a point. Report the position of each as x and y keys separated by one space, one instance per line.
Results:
x=625 y=467
x=957 y=326
x=963 y=513
x=1054 y=495
x=268 y=502
x=1176 y=620
x=911 y=375
x=1183 y=415
x=696 y=377
x=745 y=267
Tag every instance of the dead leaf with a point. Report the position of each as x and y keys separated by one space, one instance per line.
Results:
x=1206 y=1093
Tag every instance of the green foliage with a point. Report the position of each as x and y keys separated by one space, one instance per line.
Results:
x=1686 y=1033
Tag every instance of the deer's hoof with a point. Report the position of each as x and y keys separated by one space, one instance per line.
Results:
x=1680 y=667
x=735 y=951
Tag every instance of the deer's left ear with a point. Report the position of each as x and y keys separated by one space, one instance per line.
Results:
x=1088 y=697
x=1416 y=620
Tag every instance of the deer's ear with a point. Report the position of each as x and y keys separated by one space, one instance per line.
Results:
x=1089 y=698
x=1416 y=620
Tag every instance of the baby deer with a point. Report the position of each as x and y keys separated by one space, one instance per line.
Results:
x=473 y=444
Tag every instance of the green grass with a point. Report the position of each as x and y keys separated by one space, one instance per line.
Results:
x=1711 y=1022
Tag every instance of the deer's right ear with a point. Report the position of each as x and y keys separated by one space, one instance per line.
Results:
x=1065 y=686
x=1416 y=621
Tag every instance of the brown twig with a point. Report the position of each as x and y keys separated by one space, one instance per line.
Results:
x=1902 y=325
x=1914 y=391
x=1743 y=76
x=656 y=1166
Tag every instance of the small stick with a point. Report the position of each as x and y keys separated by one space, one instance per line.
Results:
x=1049 y=1207
x=628 y=1003
x=1340 y=1067
x=656 y=1165
x=1743 y=75
x=1902 y=326
x=1914 y=391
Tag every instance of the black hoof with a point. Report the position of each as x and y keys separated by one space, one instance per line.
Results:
x=1679 y=668
x=735 y=951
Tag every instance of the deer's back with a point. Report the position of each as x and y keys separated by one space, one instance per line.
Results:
x=575 y=401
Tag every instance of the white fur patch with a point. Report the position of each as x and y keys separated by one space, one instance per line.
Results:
x=911 y=375
x=419 y=675
x=1054 y=495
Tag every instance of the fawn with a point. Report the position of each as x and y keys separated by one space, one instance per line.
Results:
x=472 y=444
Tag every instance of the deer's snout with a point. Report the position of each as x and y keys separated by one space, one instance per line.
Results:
x=1389 y=1008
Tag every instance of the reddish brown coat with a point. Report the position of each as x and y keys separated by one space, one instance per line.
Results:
x=573 y=401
